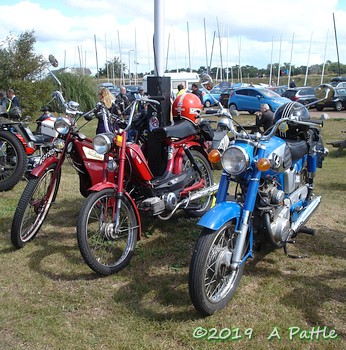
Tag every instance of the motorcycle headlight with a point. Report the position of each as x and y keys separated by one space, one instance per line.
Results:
x=102 y=143
x=235 y=160
x=62 y=125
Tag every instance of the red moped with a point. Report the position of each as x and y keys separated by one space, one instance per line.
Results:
x=109 y=221
x=43 y=181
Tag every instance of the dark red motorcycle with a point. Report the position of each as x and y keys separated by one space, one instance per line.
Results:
x=109 y=222
x=43 y=182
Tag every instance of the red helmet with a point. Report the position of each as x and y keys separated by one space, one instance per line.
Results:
x=187 y=106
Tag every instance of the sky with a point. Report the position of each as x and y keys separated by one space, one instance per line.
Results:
x=87 y=33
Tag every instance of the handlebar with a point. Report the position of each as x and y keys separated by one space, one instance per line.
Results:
x=315 y=124
x=139 y=99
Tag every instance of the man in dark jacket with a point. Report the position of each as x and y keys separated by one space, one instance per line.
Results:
x=121 y=103
x=265 y=117
x=197 y=92
x=12 y=97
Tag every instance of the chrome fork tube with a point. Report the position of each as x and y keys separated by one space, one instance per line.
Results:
x=239 y=245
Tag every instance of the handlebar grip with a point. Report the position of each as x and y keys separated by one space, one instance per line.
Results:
x=316 y=121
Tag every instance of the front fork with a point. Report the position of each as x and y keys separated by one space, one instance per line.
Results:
x=245 y=227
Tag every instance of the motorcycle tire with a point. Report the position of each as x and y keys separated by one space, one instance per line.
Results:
x=13 y=160
x=105 y=251
x=200 y=206
x=210 y=289
x=33 y=206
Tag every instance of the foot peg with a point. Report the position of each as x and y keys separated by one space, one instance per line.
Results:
x=308 y=231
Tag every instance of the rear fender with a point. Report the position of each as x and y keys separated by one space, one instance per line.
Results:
x=217 y=216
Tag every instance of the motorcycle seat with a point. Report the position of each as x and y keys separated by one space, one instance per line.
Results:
x=179 y=130
x=42 y=139
x=298 y=148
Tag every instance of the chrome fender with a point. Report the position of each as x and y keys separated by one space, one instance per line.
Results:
x=217 y=216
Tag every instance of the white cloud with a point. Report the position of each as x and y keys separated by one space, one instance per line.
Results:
x=67 y=29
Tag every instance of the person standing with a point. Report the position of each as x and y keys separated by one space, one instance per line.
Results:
x=181 y=90
x=121 y=103
x=265 y=117
x=4 y=103
x=13 y=98
x=292 y=84
x=104 y=119
x=197 y=92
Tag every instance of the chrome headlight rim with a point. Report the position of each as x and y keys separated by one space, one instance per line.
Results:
x=235 y=160
x=62 y=125
x=102 y=143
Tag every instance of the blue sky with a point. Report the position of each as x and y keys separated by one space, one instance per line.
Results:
x=251 y=34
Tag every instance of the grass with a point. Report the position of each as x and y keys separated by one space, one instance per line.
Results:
x=50 y=299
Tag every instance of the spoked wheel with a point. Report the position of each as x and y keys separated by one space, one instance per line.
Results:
x=200 y=206
x=107 y=247
x=13 y=160
x=212 y=283
x=33 y=206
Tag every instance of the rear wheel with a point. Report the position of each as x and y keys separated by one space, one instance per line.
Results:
x=105 y=247
x=200 y=206
x=13 y=160
x=319 y=108
x=33 y=206
x=207 y=104
x=338 y=106
x=212 y=283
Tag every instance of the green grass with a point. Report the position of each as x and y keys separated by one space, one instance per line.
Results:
x=50 y=299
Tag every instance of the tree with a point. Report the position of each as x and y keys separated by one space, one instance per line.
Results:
x=111 y=69
x=21 y=70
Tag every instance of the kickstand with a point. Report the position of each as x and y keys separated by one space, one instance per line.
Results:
x=292 y=255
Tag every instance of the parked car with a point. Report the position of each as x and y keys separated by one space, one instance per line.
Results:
x=338 y=82
x=338 y=102
x=250 y=99
x=212 y=101
x=224 y=96
x=303 y=95
x=278 y=89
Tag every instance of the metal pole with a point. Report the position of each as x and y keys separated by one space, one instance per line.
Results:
x=336 y=43
x=159 y=37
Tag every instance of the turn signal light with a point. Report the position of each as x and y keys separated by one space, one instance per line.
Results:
x=214 y=156
x=263 y=164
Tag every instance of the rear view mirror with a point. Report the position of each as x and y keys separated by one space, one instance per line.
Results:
x=324 y=92
x=53 y=61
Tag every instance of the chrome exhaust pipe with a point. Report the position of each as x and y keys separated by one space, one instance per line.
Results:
x=200 y=194
x=305 y=215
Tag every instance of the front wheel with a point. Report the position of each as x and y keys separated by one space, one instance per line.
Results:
x=105 y=246
x=13 y=160
x=33 y=206
x=212 y=283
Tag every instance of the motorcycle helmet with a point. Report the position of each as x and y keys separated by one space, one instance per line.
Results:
x=293 y=111
x=187 y=106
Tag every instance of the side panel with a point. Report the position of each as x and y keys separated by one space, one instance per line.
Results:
x=220 y=214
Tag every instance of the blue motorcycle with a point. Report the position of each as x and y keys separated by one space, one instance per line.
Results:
x=273 y=199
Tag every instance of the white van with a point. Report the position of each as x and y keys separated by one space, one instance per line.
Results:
x=177 y=78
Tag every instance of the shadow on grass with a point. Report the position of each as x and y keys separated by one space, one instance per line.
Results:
x=54 y=238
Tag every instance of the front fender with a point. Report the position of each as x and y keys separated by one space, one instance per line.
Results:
x=41 y=168
x=220 y=214
x=101 y=186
